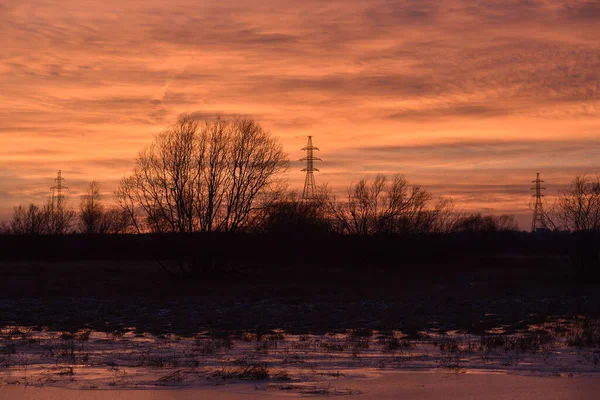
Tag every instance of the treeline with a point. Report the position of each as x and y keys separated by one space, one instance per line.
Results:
x=366 y=213
x=227 y=175
x=56 y=218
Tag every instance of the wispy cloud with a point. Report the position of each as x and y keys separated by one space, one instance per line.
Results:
x=430 y=88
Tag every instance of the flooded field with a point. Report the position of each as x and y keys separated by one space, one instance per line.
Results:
x=329 y=364
x=104 y=331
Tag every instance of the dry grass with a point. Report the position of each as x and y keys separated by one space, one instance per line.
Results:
x=253 y=372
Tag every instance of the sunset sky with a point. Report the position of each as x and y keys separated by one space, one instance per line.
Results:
x=469 y=98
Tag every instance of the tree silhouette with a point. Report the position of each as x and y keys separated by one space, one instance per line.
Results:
x=202 y=176
x=477 y=223
x=388 y=206
x=31 y=220
x=51 y=219
x=577 y=208
x=94 y=217
x=91 y=210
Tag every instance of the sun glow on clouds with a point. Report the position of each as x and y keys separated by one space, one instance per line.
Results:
x=469 y=98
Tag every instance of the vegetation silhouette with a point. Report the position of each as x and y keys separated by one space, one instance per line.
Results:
x=94 y=218
x=203 y=177
x=209 y=198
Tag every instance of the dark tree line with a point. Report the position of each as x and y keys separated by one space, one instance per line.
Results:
x=57 y=218
x=53 y=218
x=384 y=206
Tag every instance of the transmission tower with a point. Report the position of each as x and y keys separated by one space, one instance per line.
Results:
x=57 y=195
x=538 y=222
x=309 y=192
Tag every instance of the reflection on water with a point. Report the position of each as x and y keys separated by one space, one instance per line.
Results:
x=299 y=364
x=33 y=393
x=389 y=385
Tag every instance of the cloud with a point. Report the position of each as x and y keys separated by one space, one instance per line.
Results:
x=209 y=115
x=477 y=148
x=452 y=111
x=583 y=10
x=441 y=90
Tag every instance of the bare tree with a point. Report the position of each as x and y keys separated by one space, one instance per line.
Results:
x=51 y=219
x=202 y=176
x=94 y=217
x=31 y=220
x=126 y=197
x=440 y=217
x=484 y=223
x=60 y=217
x=577 y=208
x=91 y=210
x=387 y=206
x=118 y=222
x=289 y=214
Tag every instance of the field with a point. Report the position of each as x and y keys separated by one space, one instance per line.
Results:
x=295 y=328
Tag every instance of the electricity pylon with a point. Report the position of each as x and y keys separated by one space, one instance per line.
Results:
x=57 y=195
x=539 y=221
x=310 y=190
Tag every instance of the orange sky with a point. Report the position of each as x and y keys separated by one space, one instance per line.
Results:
x=470 y=98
